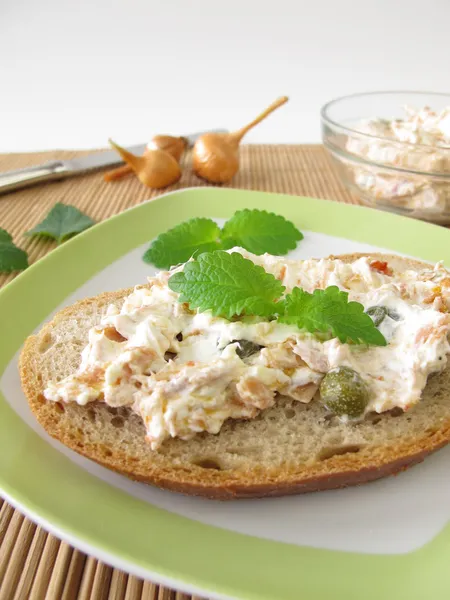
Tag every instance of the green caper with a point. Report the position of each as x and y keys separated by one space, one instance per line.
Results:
x=344 y=392
x=246 y=348
x=393 y=314
x=378 y=314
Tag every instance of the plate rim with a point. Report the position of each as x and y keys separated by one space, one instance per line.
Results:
x=111 y=559
x=281 y=559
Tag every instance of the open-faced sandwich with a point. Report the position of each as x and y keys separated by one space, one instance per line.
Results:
x=236 y=375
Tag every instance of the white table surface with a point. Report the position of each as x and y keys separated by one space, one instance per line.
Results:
x=74 y=73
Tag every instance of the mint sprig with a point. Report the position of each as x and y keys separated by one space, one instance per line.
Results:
x=230 y=285
x=329 y=311
x=12 y=258
x=227 y=285
x=257 y=231
x=61 y=223
x=183 y=241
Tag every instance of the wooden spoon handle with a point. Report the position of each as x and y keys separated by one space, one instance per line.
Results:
x=238 y=135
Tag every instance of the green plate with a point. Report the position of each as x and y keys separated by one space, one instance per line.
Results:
x=153 y=539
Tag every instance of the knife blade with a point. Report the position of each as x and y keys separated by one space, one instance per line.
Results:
x=98 y=160
x=60 y=169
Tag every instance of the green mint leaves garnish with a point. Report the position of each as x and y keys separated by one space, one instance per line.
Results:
x=62 y=222
x=257 y=231
x=329 y=311
x=183 y=241
x=230 y=285
x=12 y=258
x=227 y=285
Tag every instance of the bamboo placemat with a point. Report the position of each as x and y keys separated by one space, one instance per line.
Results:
x=34 y=564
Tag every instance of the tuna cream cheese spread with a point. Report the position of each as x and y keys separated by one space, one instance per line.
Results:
x=389 y=142
x=186 y=372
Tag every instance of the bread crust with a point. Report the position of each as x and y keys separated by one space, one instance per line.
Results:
x=351 y=468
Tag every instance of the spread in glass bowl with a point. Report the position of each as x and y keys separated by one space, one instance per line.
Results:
x=424 y=127
x=392 y=150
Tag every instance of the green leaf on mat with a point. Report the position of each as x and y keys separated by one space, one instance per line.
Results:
x=62 y=222
x=12 y=258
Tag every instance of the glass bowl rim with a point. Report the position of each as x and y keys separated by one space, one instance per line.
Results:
x=324 y=113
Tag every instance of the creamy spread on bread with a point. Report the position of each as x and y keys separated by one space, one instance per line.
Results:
x=186 y=372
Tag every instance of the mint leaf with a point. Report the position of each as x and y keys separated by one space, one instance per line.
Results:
x=328 y=311
x=256 y=230
x=227 y=285
x=259 y=231
x=182 y=242
x=5 y=237
x=12 y=258
x=62 y=222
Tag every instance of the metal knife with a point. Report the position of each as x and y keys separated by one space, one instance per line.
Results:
x=60 y=169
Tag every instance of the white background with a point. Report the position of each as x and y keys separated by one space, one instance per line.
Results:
x=73 y=73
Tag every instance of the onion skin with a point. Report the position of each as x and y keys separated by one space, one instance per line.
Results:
x=175 y=146
x=156 y=169
x=215 y=156
x=215 y=159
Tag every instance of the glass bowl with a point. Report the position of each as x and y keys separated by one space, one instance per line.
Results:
x=398 y=168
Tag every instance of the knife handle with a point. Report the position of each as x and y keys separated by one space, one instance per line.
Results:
x=14 y=180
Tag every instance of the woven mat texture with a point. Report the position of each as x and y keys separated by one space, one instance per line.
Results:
x=34 y=564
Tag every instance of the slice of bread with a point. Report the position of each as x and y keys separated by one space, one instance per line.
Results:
x=288 y=449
